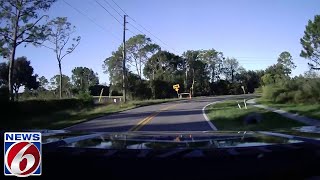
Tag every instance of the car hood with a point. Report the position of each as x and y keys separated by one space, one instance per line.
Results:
x=178 y=140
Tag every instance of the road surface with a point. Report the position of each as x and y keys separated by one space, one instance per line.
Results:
x=184 y=115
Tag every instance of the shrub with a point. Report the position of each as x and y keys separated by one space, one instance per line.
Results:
x=85 y=97
x=299 y=96
x=32 y=108
x=272 y=91
x=296 y=90
x=4 y=94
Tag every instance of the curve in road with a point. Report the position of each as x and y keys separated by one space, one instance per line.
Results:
x=184 y=115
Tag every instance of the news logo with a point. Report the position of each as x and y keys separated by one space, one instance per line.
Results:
x=22 y=154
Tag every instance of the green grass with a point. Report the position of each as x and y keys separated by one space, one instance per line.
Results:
x=227 y=116
x=65 y=118
x=309 y=110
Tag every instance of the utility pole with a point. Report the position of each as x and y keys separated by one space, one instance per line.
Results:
x=124 y=73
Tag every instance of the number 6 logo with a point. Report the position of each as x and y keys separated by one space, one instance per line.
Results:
x=22 y=159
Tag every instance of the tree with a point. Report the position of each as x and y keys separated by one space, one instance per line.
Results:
x=200 y=82
x=230 y=67
x=83 y=78
x=137 y=48
x=151 y=50
x=285 y=60
x=66 y=86
x=113 y=66
x=188 y=65
x=4 y=69
x=20 y=24
x=61 y=41
x=214 y=60
x=22 y=75
x=249 y=79
x=311 y=73
x=274 y=74
x=165 y=70
x=311 y=43
x=43 y=82
x=277 y=73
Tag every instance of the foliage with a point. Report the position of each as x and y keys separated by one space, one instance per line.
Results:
x=311 y=43
x=20 y=24
x=4 y=70
x=43 y=82
x=66 y=88
x=113 y=66
x=279 y=73
x=137 y=89
x=137 y=48
x=4 y=94
x=214 y=60
x=230 y=68
x=312 y=73
x=197 y=71
x=83 y=78
x=249 y=79
x=297 y=90
x=32 y=108
x=286 y=62
x=279 y=87
x=85 y=97
x=22 y=75
x=59 y=33
x=57 y=114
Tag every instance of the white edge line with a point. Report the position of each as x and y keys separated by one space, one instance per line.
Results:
x=206 y=117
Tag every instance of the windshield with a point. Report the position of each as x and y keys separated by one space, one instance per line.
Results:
x=97 y=75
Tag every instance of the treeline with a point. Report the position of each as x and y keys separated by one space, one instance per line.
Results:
x=27 y=22
x=151 y=72
x=279 y=87
x=83 y=82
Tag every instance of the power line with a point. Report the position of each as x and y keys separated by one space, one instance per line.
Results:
x=144 y=28
x=112 y=8
x=119 y=7
x=98 y=25
x=121 y=17
x=109 y=12
x=132 y=32
x=136 y=28
x=152 y=34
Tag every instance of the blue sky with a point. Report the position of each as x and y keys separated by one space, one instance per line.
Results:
x=254 y=32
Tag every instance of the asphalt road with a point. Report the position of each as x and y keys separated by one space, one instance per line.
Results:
x=184 y=115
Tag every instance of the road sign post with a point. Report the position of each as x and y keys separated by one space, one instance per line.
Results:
x=100 y=95
x=244 y=100
x=176 y=88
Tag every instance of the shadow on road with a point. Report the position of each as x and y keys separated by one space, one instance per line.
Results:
x=186 y=126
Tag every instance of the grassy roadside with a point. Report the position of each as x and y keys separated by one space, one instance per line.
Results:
x=309 y=110
x=227 y=116
x=65 y=118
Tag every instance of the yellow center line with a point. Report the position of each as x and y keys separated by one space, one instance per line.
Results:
x=148 y=119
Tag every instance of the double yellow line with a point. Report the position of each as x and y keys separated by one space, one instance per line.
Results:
x=146 y=120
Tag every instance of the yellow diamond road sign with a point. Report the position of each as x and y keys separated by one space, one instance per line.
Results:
x=176 y=87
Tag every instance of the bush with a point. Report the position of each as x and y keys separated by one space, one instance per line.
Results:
x=32 y=108
x=271 y=92
x=299 y=96
x=85 y=97
x=296 y=90
x=4 y=94
x=258 y=90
